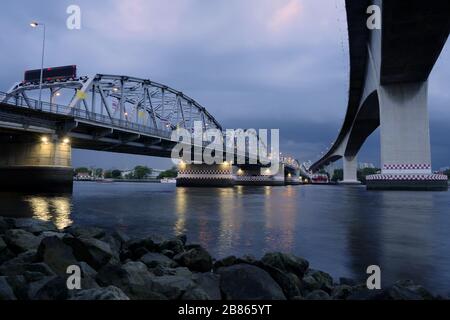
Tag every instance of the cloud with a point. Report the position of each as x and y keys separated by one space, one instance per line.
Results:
x=285 y=16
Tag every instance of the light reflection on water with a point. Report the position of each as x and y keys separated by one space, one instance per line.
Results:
x=341 y=230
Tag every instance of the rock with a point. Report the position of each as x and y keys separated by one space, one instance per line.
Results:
x=41 y=268
x=90 y=250
x=50 y=288
x=136 y=248
x=6 y=255
x=133 y=278
x=34 y=226
x=19 y=285
x=318 y=295
x=209 y=283
x=121 y=236
x=152 y=260
x=166 y=271
x=168 y=253
x=3 y=245
x=87 y=270
x=86 y=232
x=347 y=281
x=316 y=280
x=108 y=293
x=196 y=259
x=341 y=292
x=172 y=287
x=182 y=238
x=56 y=254
x=20 y=240
x=286 y=263
x=405 y=290
x=195 y=294
x=17 y=265
x=225 y=262
x=6 y=292
x=248 y=282
x=6 y=224
x=289 y=282
x=175 y=245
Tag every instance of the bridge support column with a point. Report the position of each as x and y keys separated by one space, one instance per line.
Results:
x=405 y=140
x=204 y=175
x=253 y=175
x=292 y=177
x=36 y=166
x=350 y=168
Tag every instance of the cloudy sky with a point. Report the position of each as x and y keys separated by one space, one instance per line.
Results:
x=253 y=64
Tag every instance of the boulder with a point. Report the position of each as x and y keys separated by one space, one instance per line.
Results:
x=341 y=292
x=316 y=280
x=49 y=288
x=287 y=263
x=20 y=240
x=172 y=287
x=248 y=282
x=3 y=245
x=195 y=294
x=318 y=295
x=225 y=262
x=34 y=226
x=6 y=292
x=405 y=290
x=17 y=265
x=153 y=260
x=182 y=238
x=6 y=224
x=86 y=232
x=47 y=234
x=196 y=259
x=209 y=283
x=90 y=250
x=56 y=254
x=107 y=293
x=289 y=282
x=19 y=286
x=160 y=271
x=132 y=277
x=174 y=245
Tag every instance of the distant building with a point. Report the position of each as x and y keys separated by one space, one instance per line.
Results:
x=366 y=165
x=83 y=176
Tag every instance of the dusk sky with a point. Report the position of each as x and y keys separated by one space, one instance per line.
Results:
x=253 y=64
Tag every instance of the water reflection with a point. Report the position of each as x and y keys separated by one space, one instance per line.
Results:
x=338 y=229
x=55 y=208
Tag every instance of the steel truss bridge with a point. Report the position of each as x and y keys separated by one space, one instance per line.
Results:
x=108 y=113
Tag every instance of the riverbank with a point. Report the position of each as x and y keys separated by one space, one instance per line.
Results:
x=35 y=255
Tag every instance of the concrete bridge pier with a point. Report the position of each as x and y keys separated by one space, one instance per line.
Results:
x=292 y=177
x=36 y=166
x=255 y=175
x=405 y=140
x=350 y=168
x=204 y=175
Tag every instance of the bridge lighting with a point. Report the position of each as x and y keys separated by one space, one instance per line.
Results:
x=66 y=140
x=44 y=139
x=34 y=24
x=240 y=172
x=115 y=89
x=58 y=94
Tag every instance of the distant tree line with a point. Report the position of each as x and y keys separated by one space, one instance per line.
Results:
x=138 y=173
x=338 y=174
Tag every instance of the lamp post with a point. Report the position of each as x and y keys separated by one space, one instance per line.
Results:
x=36 y=24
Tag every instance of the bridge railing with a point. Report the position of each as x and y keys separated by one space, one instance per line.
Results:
x=54 y=108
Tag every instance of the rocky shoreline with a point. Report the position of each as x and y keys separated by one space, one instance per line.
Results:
x=35 y=255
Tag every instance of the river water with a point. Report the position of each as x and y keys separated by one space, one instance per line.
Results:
x=339 y=229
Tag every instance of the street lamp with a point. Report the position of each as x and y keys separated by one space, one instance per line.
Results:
x=35 y=24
